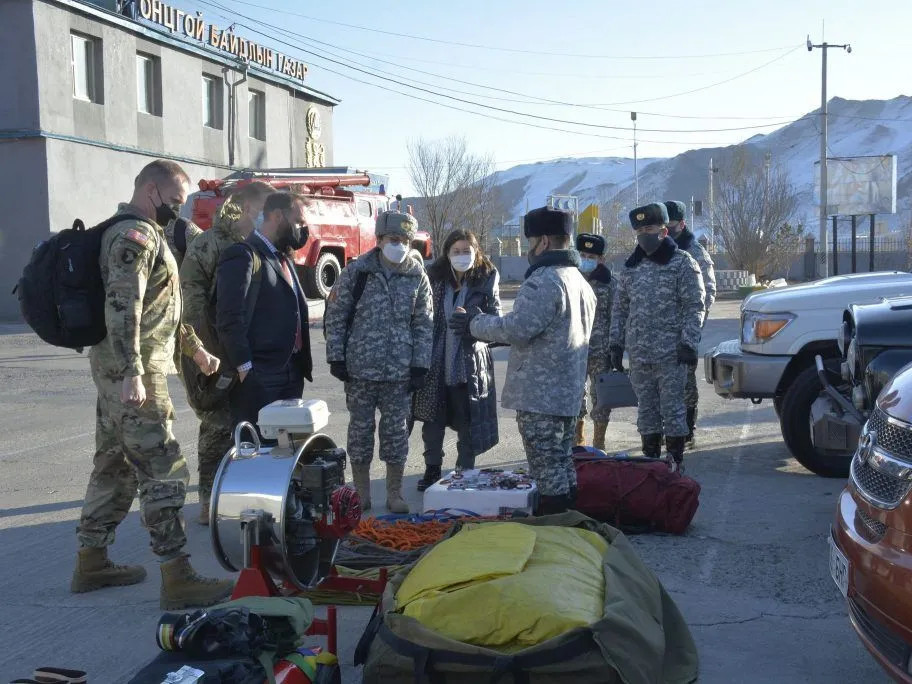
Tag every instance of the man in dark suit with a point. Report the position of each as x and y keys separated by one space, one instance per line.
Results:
x=271 y=351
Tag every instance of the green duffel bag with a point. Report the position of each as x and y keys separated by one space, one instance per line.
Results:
x=642 y=637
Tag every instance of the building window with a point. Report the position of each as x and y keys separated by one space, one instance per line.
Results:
x=257 y=114
x=148 y=84
x=212 y=101
x=87 y=81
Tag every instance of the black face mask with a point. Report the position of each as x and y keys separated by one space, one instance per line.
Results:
x=649 y=242
x=292 y=237
x=165 y=213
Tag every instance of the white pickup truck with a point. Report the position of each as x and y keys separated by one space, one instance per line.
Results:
x=782 y=330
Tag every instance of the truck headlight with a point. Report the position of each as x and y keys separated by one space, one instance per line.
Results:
x=757 y=328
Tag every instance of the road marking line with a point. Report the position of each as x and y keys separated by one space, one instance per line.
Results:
x=708 y=564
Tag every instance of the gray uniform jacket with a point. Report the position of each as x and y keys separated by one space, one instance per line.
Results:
x=687 y=241
x=548 y=331
x=393 y=326
x=658 y=304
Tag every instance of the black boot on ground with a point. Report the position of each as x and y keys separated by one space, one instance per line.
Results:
x=550 y=505
x=652 y=445
x=431 y=475
x=675 y=448
x=691 y=426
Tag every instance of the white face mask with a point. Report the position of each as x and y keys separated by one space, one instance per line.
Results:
x=587 y=265
x=463 y=262
x=395 y=252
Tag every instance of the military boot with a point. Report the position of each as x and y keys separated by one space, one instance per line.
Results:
x=675 y=448
x=580 y=438
x=431 y=475
x=691 y=426
x=551 y=505
x=94 y=571
x=394 y=501
x=182 y=588
x=204 y=514
x=362 y=476
x=598 y=438
x=652 y=445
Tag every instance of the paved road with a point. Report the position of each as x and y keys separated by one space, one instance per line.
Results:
x=750 y=576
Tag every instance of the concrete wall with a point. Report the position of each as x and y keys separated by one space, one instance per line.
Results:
x=63 y=158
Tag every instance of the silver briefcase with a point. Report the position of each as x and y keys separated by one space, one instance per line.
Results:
x=613 y=390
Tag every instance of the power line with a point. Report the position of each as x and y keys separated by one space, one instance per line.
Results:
x=497 y=48
x=492 y=107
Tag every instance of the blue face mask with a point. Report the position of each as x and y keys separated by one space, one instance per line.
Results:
x=587 y=265
x=258 y=221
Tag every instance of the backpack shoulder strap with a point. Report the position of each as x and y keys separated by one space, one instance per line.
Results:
x=180 y=235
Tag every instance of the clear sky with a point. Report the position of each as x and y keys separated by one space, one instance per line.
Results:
x=687 y=68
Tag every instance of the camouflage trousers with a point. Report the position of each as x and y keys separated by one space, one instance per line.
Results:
x=135 y=449
x=215 y=439
x=547 y=441
x=691 y=396
x=659 y=389
x=364 y=398
x=599 y=415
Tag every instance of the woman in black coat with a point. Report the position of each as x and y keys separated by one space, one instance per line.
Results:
x=459 y=392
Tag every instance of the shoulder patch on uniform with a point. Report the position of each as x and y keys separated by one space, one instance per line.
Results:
x=128 y=256
x=137 y=237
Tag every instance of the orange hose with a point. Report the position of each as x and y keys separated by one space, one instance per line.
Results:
x=402 y=535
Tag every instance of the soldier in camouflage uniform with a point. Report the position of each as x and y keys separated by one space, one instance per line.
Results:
x=233 y=223
x=592 y=265
x=548 y=331
x=380 y=347
x=658 y=310
x=685 y=240
x=134 y=442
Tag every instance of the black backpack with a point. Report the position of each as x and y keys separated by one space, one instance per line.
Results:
x=61 y=294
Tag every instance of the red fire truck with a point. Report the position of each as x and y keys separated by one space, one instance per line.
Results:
x=340 y=218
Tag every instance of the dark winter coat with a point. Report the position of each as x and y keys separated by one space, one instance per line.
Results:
x=483 y=292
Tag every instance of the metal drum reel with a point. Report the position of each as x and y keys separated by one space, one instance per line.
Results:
x=284 y=509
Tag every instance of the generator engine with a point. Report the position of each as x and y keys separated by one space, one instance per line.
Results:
x=289 y=501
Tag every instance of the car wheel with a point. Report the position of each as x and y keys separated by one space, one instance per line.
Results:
x=319 y=280
x=794 y=420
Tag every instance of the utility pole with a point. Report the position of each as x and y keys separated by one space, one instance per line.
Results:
x=636 y=175
x=712 y=207
x=824 y=248
x=766 y=188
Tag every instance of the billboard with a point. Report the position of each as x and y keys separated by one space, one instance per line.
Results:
x=858 y=186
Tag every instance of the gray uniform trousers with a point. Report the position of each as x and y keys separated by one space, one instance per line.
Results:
x=659 y=388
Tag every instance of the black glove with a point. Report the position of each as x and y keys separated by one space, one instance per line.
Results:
x=338 y=370
x=460 y=321
x=417 y=380
x=687 y=355
x=617 y=357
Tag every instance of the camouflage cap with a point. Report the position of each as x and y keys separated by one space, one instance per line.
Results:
x=396 y=223
x=654 y=214
x=590 y=244
x=676 y=210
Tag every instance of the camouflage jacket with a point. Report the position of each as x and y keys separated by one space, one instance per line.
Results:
x=548 y=331
x=142 y=300
x=689 y=244
x=603 y=286
x=197 y=272
x=658 y=304
x=393 y=325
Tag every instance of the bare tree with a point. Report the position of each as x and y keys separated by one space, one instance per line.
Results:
x=456 y=188
x=755 y=207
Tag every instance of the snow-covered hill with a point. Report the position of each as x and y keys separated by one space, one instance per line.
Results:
x=869 y=127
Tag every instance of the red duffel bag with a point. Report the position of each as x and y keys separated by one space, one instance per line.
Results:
x=635 y=495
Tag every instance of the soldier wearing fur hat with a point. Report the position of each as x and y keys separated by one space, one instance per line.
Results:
x=380 y=347
x=658 y=311
x=592 y=250
x=548 y=331
x=680 y=233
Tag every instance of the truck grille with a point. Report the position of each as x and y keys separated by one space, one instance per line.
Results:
x=880 y=489
x=895 y=440
x=875 y=529
x=890 y=646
